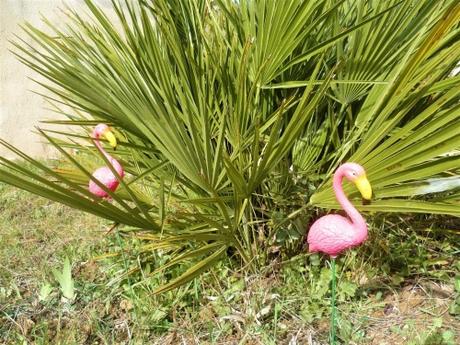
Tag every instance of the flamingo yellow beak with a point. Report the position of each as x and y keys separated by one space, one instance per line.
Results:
x=110 y=138
x=364 y=187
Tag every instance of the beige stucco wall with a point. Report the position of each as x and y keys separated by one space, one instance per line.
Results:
x=21 y=109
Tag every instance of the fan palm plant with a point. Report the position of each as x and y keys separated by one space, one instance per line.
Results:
x=231 y=115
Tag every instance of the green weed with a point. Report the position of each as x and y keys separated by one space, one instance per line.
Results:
x=66 y=283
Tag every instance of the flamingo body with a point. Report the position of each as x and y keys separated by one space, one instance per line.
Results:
x=107 y=178
x=104 y=174
x=333 y=234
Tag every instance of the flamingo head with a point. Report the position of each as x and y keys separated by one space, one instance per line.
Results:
x=102 y=130
x=356 y=174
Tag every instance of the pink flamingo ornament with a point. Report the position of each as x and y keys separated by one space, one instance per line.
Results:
x=105 y=174
x=333 y=234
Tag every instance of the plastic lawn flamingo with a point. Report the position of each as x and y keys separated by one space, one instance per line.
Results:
x=332 y=234
x=105 y=174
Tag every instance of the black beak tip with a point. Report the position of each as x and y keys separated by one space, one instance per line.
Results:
x=366 y=201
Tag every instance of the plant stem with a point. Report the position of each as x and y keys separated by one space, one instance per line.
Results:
x=334 y=312
x=239 y=248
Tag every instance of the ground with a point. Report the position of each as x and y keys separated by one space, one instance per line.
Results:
x=401 y=288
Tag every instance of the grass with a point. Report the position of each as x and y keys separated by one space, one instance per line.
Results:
x=401 y=287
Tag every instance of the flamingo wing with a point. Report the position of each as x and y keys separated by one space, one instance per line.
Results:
x=331 y=234
x=107 y=178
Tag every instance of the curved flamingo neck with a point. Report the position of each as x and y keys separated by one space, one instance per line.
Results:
x=116 y=165
x=357 y=220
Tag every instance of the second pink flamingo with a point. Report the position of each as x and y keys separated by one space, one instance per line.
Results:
x=105 y=174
